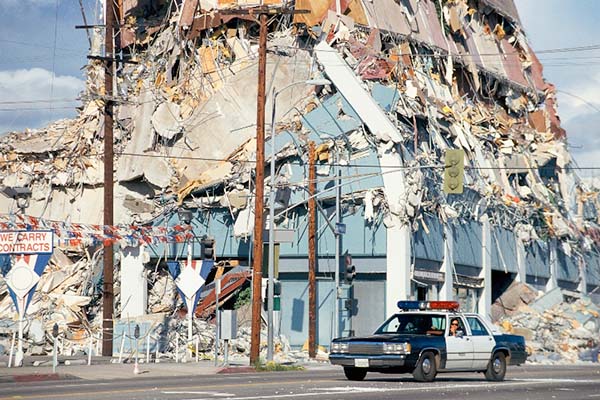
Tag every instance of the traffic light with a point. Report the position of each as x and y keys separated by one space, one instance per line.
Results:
x=276 y=287
x=276 y=295
x=349 y=274
x=453 y=171
x=208 y=248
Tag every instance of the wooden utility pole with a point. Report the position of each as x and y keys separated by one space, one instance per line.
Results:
x=312 y=252
x=107 y=288
x=259 y=206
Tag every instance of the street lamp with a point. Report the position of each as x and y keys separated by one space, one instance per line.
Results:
x=20 y=194
x=270 y=294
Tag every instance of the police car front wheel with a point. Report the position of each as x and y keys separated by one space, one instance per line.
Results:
x=426 y=369
x=496 y=367
x=355 y=374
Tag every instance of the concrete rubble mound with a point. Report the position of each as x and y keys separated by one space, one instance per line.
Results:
x=557 y=328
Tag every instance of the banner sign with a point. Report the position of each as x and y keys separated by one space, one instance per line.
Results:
x=26 y=242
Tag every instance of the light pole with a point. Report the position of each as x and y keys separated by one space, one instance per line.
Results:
x=336 y=232
x=270 y=294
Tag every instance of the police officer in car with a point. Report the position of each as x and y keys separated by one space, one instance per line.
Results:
x=454 y=327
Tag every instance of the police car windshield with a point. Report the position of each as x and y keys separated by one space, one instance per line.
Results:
x=414 y=324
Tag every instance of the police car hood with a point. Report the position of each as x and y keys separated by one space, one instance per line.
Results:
x=382 y=337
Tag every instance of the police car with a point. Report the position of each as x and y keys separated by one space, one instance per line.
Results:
x=417 y=340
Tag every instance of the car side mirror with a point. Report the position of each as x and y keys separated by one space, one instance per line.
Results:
x=460 y=333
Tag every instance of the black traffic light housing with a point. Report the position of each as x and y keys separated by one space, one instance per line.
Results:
x=276 y=293
x=208 y=248
x=349 y=273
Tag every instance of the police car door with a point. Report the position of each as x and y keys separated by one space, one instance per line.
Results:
x=459 y=349
x=483 y=342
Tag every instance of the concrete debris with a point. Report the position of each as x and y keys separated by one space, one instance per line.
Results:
x=555 y=331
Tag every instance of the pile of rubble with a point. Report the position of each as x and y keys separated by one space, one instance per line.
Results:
x=555 y=330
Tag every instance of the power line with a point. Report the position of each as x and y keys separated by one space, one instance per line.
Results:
x=386 y=167
x=37 y=109
x=39 y=101
x=39 y=46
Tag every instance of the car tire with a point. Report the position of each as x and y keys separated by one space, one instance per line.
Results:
x=426 y=369
x=355 y=374
x=496 y=369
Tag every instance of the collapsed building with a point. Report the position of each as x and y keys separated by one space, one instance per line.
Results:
x=409 y=79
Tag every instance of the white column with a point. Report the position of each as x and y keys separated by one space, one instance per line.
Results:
x=448 y=265
x=397 y=267
x=582 y=288
x=521 y=260
x=485 y=296
x=553 y=260
x=134 y=287
x=398 y=234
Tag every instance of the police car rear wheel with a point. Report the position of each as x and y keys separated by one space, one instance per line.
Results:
x=426 y=370
x=496 y=368
x=355 y=374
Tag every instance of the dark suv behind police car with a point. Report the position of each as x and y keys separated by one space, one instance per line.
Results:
x=416 y=340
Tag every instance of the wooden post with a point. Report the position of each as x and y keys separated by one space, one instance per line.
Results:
x=107 y=287
x=312 y=252
x=259 y=199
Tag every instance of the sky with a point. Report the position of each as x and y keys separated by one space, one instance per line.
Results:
x=42 y=55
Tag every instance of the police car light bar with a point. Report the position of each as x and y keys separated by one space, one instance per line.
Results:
x=428 y=305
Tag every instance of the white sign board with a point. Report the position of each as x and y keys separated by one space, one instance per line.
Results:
x=26 y=242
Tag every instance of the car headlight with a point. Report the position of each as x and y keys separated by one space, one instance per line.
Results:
x=339 y=347
x=396 y=348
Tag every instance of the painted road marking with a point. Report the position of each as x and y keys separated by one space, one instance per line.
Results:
x=356 y=389
x=322 y=392
x=215 y=394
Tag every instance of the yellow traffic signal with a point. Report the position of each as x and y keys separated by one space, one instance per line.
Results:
x=453 y=171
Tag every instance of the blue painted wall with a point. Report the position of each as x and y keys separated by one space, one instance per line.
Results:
x=294 y=311
x=429 y=246
x=537 y=259
x=592 y=260
x=568 y=270
x=504 y=250
x=467 y=243
x=361 y=239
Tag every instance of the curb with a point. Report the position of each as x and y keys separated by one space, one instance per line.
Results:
x=24 y=378
x=236 y=370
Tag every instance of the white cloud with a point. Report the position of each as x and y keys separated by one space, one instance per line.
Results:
x=31 y=98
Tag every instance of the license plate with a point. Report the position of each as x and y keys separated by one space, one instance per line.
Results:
x=361 y=362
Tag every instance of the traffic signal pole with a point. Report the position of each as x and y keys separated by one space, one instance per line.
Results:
x=312 y=252
x=338 y=220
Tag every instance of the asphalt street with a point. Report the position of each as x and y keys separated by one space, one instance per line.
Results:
x=324 y=383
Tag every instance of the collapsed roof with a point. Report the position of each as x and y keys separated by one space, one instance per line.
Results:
x=410 y=79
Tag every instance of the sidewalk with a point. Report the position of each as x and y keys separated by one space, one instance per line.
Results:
x=102 y=368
